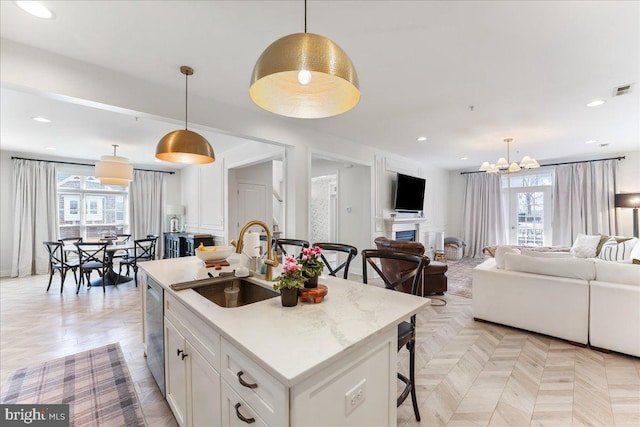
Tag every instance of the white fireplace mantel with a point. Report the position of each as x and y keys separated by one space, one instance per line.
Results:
x=401 y=220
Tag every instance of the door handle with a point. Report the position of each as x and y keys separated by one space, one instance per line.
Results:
x=244 y=383
x=179 y=352
x=242 y=417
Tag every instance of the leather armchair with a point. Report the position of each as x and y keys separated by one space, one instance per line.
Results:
x=433 y=279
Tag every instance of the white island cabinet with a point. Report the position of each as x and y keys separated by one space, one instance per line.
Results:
x=332 y=363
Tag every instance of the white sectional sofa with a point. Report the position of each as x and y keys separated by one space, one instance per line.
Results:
x=586 y=301
x=614 y=308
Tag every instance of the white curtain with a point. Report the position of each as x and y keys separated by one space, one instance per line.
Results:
x=35 y=216
x=583 y=200
x=483 y=214
x=147 y=194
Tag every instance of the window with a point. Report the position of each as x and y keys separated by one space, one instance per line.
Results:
x=529 y=208
x=89 y=209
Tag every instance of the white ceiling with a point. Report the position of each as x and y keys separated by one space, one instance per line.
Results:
x=527 y=67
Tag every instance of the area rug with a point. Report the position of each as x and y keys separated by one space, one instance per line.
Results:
x=96 y=384
x=459 y=276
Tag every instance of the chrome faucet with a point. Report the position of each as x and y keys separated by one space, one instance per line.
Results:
x=271 y=260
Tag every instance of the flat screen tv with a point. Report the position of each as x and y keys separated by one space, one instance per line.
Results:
x=409 y=195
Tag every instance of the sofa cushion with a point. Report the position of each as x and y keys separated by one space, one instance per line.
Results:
x=617 y=249
x=618 y=272
x=501 y=251
x=542 y=254
x=573 y=268
x=584 y=252
x=586 y=240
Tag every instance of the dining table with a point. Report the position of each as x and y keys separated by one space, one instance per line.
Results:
x=111 y=277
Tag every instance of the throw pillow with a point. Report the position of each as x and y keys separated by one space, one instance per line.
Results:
x=586 y=240
x=501 y=251
x=603 y=240
x=635 y=254
x=584 y=251
x=614 y=251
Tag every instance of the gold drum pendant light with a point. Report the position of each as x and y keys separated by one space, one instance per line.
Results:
x=185 y=146
x=306 y=76
x=114 y=170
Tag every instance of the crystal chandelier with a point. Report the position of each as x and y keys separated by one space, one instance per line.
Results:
x=504 y=166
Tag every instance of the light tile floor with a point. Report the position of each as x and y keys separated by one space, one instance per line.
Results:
x=468 y=373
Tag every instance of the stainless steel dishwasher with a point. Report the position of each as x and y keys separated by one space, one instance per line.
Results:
x=155 y=331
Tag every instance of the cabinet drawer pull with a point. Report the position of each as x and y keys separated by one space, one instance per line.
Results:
x=241 y=417
x=244 y=383
x=184 y=355
x=180 y=351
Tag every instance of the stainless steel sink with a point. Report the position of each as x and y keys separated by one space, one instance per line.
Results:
x=213 y=290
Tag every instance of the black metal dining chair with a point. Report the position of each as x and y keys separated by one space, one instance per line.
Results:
x=121 y=238
x=351 y=252
x=410 y=267
x=93 y=256
x=57 y=262
x=280 y=245
x=71 y=257
x=143 y=250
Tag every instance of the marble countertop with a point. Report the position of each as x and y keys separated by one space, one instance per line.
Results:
x=292 y=343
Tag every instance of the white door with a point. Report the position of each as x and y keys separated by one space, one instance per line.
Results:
x=252 y=204
x=205 y=391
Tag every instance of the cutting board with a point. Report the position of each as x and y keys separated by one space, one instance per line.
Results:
x=216 y=264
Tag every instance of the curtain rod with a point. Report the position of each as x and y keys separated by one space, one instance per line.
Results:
x=562 y=163
x=83 y=164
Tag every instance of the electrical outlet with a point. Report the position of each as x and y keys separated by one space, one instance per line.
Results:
x=355 y=397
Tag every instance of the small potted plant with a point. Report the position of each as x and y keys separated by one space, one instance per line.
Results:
x=289 y=282
x=312 y=265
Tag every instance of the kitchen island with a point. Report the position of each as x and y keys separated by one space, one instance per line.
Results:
x=331 y=363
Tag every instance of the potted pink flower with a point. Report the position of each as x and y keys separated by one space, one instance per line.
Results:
x=312 y=265
x=289 y=282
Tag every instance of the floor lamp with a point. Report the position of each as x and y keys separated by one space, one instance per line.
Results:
x=630 y=200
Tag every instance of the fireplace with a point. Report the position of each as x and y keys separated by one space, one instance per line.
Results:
x=408 y=235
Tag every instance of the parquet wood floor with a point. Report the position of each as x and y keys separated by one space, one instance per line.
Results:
x=468 y=373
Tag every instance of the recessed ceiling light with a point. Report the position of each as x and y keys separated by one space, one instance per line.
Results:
x=50 y=148
x=464 y=158
x=595 y=103
x=421 y=138
x=591 y=141
x=41 y=119
x=35 y=8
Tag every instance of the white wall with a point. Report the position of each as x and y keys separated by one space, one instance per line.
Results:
x=6 y=213
x=628 y=182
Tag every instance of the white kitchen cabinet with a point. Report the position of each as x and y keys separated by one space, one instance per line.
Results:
x=176 y=373
x=236 y=412
x=192 y=384
x=203 y=196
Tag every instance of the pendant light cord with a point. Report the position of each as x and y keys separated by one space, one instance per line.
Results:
x=186 y=99
x=114 y=149
x=305 y=16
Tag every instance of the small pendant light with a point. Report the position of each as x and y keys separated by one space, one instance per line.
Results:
x=306 y=76
x=185 y=146
x=114 y=170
